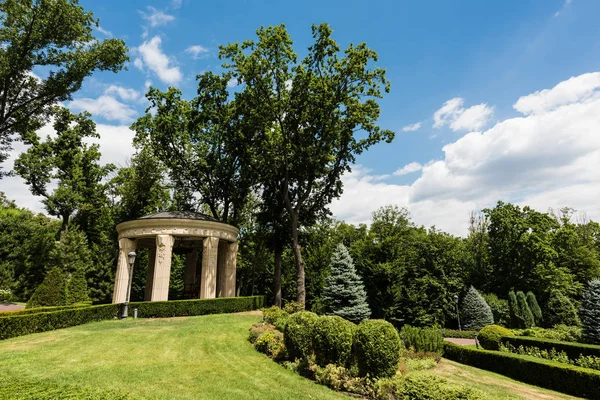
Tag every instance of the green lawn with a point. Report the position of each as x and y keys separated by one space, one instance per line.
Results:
x=205 y=357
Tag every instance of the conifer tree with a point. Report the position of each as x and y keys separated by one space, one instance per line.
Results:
x=77 y=289
x=560 y=310
x=344 y=294
x=515 y=316
x=525 y=313
x=590 y=312
x=51 y=292
x=535 y=308
x=476 y=311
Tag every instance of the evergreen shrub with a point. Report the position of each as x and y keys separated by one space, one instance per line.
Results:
x=423 y=386
x=77 y=289
x=292 y=307
x=52 y=291
x=590 y=312
x=299 y=333
x=476 y=312
x=271 y=344
x=429 y=340
x=272 y=314
x=525 y=313
x=182 y=308
x=535 y=308
x=376 y=348
x=560 y=310
x=455 y=333
x=516 y=319
x=499 y=307
x=490 y=336
x=333 y=337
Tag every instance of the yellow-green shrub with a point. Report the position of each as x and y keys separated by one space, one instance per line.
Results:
x=376 y=348
x=299 y=333
x=489 y=337
x=333 y=340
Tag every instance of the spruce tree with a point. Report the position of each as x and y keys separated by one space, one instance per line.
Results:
x=524 y=311
x=51 y=292
x=476 y=311
x=77 y=289
x=515 y=317
x=590 y=312
x=535 y=308
x=344 y=294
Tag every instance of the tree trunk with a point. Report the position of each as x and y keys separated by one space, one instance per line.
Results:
x=301 y=286
x=65 y=224
x=277 y=288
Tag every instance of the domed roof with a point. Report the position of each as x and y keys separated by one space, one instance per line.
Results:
x=181 y=215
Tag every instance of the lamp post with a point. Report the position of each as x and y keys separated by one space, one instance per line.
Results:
x=131 y=260
x=457 y=312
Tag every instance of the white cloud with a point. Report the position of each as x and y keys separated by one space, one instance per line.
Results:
x=453 y=113
x=126 y=94
x=156 y=17
x=175 y=4
x=233 y=82
x=147 y=84
x=104 y=31
x=408 y=169
x=154 y=59
x=547 y=158
x=196 y=51
x=139 y=64
x=413 y=127
x=105 y=106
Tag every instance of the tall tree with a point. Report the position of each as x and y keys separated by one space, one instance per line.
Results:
x=310 y=113
x=204 y=143
x=590 y=312
x=55 y=35
x=69 y=160
x=476 y=311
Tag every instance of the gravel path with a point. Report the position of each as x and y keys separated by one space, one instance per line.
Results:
x=10 y=307
x=462 y=342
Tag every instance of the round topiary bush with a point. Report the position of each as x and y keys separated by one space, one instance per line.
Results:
x=298 y=334
x=489 y=337
x=376 y=348
x=333 y=340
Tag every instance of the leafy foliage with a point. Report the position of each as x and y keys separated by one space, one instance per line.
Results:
x=77 y=289
x=52 y=291
x=525 y=314
x=428 y=340
x=560 y=310
x=299 y=334
x=490 y=336
x=476 y=312
x=535 y=309
x=333 y=340
x=422 y=386
x=377 y=348
x=344 y=294
x=499 y=307
x=590 y=312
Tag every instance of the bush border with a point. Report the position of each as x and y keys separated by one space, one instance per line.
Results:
x=573 y=349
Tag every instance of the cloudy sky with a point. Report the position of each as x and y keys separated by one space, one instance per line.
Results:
x=491 y=100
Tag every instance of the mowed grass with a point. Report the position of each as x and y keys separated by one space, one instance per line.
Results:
x=494 y=386
x=206 y=357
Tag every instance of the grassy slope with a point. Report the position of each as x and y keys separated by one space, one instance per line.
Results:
x=495 y=386
x=178 y=358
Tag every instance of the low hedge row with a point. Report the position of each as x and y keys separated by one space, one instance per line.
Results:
x=183 y=308
x=573 y=350
x=564 y=378
x=38 y=310
x=454 y=333
x=18 y=325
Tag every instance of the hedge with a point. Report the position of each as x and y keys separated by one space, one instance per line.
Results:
x=182 y=308
x=573 y=350
x=18 y=325
x=38 y=310
x=455 y=333
x=576 y=381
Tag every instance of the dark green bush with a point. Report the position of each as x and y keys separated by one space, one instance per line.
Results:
x=299 y=333
x=526 y=316
x=19 y=325
x=292 y=307
x=590 y=312
x=560 y=310
x=454 y=333
x=77 y=289
x=52 y=291
x=564 y=378
x=535 y=308
x=182 y=308
x=428 y=340
x=573 y=350
x=499 y=307
x=376 y=348
x=422 y=387
x=38 y=310
x=44 y=389
x=490 y=336
x=333 y=340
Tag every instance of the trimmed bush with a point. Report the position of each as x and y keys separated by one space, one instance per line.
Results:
x=560 y=310
x=455 y=333
x=292 y=307
x=490 y=336
x=428 y=340
x=333 y=340
x=525 y=314
x=576 y=381
x=19 y=325
x=423 y=387
x=573 y=350
x=52 y=291
x=376 y=348
x=344 y=294
x=272 y=314
x=499 y=307
x=77 y=289
x=476 y=312
x=271 y=344
x=590 y=312
x=535 y=309
x=299 y=333
x=183 y=308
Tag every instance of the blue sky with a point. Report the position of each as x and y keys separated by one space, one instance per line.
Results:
x=478 y=58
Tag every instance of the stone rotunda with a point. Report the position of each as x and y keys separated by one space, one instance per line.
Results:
x=188 y=233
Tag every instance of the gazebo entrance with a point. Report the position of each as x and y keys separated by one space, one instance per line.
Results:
x=188 y=233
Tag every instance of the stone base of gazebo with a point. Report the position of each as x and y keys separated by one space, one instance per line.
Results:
x=186 y=233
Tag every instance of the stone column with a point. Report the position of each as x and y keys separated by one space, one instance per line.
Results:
x=189 y=279
x=208 y=283
x=221 y=269
x=122 y=276
x=150 y=274
x=230 y=268
x=162 y=268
